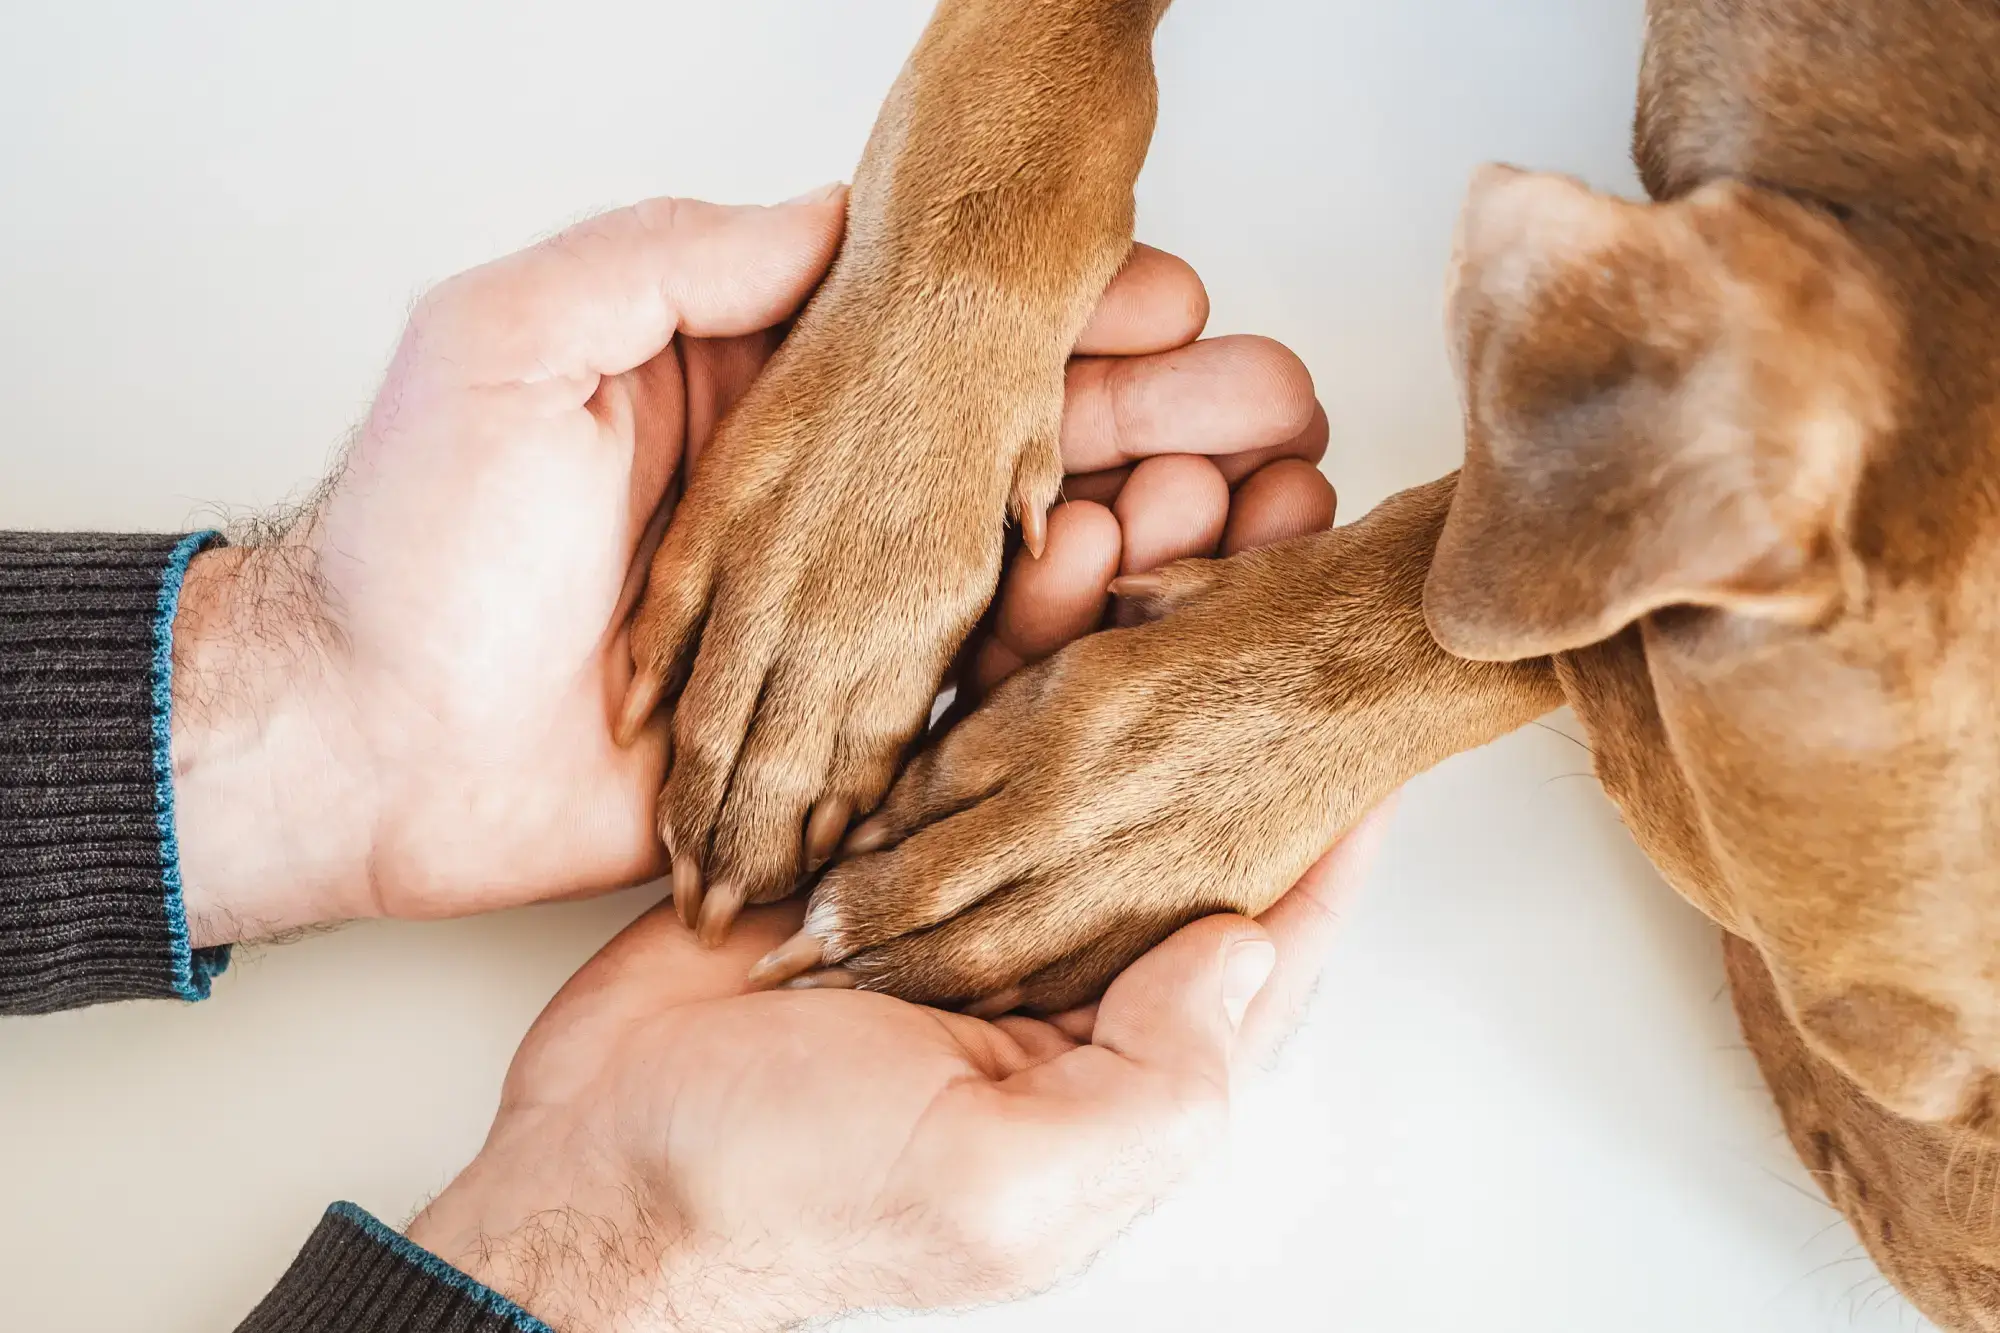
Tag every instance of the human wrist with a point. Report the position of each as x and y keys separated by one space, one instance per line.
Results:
x=577 y=1263
x=596 y=1252
x=526 y=1225
x=271 y=810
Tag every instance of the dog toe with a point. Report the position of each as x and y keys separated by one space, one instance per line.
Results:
x=1040 y=945
x=758 y=850
x=663 y=633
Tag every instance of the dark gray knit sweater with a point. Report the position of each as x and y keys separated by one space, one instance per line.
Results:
x=90 y=894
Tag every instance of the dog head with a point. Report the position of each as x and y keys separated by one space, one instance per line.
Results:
x=1768 y=437
x=1718 y=419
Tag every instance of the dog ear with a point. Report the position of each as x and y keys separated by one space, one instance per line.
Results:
x=1665 y=405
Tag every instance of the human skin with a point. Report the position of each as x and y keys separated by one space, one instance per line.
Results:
x=674 y=1154
x=401 y=703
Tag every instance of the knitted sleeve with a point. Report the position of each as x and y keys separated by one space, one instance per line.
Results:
x=355 y=1275
x=90 y=894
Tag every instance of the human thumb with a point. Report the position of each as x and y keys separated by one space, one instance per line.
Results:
x=1177 y=1010
x=610 y=293
x=1148 y=1098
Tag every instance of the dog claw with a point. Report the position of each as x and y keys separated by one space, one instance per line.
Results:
x=824 y=829
x=871 y=836
x=832 y=978
x=687 y=890
x=642 y=700
x=718 y=913
x=1034 y=528
x=993 y=1006
x=1138 y=586
x=793 y=959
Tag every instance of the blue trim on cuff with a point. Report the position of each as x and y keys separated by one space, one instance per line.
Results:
x=437 y=1269
x=193 y=969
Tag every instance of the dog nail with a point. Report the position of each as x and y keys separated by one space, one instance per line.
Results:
x=796 y=956
x=687 y=890
x=718 y=913
x=1138 y=585
x=872 y=836
x=641 y=702
x=832 y=978
x=823 y=830
x=993 y=1006
x=1034 y=528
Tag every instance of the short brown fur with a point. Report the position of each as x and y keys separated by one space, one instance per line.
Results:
x=1732 y=491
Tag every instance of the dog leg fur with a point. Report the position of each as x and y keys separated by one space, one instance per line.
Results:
x=844 y=531
x=1079 y=817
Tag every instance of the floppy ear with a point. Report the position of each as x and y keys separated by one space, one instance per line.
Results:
x=1665 y=405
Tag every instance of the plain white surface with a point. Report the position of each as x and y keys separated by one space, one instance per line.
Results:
x=1522 y=1103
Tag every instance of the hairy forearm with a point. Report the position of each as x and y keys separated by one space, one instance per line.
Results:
x=523 y=1221
x=273 y=815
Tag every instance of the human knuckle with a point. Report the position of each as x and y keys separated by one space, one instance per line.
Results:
x=663 y=214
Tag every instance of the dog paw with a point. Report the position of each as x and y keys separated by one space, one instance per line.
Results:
x=1142 y=778
x=838 y=540
x=1197 y=762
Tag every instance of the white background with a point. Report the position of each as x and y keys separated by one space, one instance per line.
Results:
x=1522 y=1102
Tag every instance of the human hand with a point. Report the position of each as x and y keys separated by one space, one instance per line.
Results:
x=402 y=704
x=673 y=1154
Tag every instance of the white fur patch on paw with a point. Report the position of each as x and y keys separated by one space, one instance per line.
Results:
x=823 y=920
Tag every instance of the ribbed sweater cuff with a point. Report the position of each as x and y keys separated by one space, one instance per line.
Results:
x=90 y=893
x=357 y=1276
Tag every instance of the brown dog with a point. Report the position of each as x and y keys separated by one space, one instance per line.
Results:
x=1731 y=490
